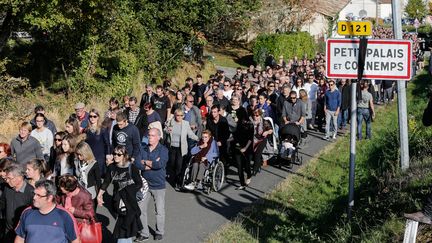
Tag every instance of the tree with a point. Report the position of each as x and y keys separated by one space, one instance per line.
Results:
x=416 y=9
x=85 y=46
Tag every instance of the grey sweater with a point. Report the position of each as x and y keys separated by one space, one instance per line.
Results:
x=26 y=150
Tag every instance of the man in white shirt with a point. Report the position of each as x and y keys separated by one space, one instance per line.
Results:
x=311 y=88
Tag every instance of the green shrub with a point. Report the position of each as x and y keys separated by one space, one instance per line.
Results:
x=288 y=45
x=422 y=29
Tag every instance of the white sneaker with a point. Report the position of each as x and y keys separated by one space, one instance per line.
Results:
x=190 y=186
x=248 y=181
x=199 y=186
x=334 y=136
x=326 y=138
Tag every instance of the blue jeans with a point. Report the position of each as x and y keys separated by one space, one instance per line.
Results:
x=343 y=118
x=363 y=114
x=124 y=240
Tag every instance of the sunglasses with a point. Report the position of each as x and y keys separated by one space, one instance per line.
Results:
x=331 y=84
x=117 y=154
x=271 y=86
x=58 y=139
x=93 y=116
x=190 y=101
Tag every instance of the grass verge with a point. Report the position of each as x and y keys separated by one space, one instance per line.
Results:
x=310 y=205
x=229 y=56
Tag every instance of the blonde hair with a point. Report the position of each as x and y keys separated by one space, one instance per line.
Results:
x=98 y=125
x=179 y=112
x=26 y=125
x=85 y=151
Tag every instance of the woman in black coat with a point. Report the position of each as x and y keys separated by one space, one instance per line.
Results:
x=127 y=181
x=98 y=139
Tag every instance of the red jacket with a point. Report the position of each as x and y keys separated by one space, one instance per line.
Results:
x=82 y=203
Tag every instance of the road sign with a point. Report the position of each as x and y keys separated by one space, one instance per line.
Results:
x=357 y=28
x=385 y=59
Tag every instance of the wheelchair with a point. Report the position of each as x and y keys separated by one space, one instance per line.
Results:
x=213 y=179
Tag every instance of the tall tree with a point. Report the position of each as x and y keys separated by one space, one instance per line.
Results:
x=416 y=9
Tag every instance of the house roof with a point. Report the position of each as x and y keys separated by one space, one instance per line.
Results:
x=326 y=7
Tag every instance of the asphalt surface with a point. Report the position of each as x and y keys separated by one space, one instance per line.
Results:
x=191 y=216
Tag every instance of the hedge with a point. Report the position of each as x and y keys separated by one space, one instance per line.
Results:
x=289 y=45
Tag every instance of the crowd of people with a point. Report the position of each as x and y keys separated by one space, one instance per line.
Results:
x=139 y=145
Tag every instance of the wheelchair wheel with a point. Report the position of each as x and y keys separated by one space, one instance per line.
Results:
x=218 y=176
x=186 y=176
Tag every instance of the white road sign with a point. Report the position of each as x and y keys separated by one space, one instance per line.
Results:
x=385 y=59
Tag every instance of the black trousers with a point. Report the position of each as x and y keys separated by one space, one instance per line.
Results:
x=320 y=120
x=258 y=156
x=243 y=165
x=175 y=164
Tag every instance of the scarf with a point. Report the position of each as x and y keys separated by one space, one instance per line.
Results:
x=68 y=200
x=203 y=152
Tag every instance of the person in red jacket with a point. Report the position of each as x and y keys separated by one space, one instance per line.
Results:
x=75 y=198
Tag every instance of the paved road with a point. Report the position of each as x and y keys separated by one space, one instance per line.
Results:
x=192 y=216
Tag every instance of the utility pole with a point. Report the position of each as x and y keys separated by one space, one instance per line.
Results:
x=402 y=104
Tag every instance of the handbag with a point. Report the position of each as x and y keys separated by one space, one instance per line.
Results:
x=90 y=231
x=144 y=189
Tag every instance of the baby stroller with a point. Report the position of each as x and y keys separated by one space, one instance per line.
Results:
x=290 y=138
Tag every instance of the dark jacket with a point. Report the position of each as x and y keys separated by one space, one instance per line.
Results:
x=156 y=175
x=346 y=96
x=220 y=130
x=14 y=203
x=93 y=176
x=141 y=122
x=129 y=137
x=100 y=146
x=145 y=98
x=127 y=182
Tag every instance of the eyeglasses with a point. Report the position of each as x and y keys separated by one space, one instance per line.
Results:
x=240 y=89
x=178 y=115
x=117 y=154
x=293 y=98
x=271 y=86
x=93 y=116
x=331 y=84
x=190 y=101
x=58 y=139
x=40 y=120
x=40 y=196
x=226 y=85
